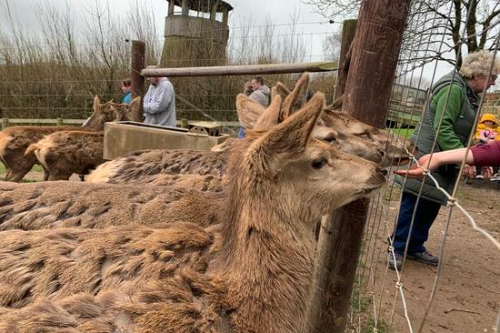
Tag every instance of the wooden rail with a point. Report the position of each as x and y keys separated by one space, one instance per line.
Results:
x=241 y=70
x=6 y=122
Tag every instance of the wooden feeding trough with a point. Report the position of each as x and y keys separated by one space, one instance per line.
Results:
x=125 y=137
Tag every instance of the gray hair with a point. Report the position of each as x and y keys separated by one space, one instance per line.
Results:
x=479 y=64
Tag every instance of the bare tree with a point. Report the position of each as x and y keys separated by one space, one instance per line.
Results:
x=438 y=29
x=331 y=46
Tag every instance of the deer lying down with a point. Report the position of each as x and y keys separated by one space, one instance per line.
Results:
x=15 y=140
x=251 y=272
x=64 y=153
x=52 y=205
x=155 y=166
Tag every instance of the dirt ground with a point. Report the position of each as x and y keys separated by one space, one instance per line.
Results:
x=468 y=290
x=468 y=293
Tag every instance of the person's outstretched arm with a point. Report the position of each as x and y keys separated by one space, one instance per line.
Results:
x=484 y=155
x=453 y=156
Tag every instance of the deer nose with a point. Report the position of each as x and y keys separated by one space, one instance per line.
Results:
x=383 y=172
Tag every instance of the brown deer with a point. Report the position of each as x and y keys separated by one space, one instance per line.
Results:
x=15 y=140
x=155 y=166
x=251 y=272
x=64 y=153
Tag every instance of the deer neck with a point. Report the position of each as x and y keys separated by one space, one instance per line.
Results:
x=268 y=266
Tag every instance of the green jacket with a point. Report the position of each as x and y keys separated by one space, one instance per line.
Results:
x=459 y=104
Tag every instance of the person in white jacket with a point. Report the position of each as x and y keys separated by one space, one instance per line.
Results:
x=159 y=102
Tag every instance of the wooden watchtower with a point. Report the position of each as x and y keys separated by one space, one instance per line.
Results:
x=196 y=33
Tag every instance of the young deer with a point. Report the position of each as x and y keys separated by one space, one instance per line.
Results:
x=15 y=140
x=64 y=153
x=251 y=272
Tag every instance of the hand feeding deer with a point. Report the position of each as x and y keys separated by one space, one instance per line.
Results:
x=64 y=153
x=15 y=140
x=250 y=272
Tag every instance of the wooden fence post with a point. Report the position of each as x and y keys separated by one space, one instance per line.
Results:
x=59 y=122
x=138 y=64
x=328 y=241
x=348 y=32
x=5 y=123
x=374 y=57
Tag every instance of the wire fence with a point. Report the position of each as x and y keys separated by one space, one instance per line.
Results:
x=404 y=300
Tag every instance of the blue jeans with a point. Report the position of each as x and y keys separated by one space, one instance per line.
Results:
x=427 y=212
x=242 y=133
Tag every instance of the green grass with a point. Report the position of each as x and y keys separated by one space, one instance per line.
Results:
x=403 y=132
x=382 y=327
x=36 y=168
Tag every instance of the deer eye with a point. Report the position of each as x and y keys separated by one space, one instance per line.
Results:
x=319 y=163
x=365 y=136
x=330 y=137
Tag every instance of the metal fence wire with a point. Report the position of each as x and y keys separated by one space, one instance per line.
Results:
x=375 y=305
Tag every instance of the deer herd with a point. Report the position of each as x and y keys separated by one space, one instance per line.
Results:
x=180 y=240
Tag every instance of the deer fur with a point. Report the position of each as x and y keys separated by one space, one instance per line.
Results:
x=64 y=153
x=15 y=140
x=250 y=272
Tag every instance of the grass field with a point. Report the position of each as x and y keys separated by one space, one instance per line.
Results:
x=35 y=168
x=404 y=132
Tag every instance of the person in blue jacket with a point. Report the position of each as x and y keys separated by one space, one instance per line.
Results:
x=126 y=89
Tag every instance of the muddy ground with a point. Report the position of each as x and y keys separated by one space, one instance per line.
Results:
x=468 y=290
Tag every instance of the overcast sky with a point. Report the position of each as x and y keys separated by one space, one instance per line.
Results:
x=314 y=26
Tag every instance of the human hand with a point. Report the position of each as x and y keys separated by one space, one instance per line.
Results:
x=487 y=172
x=417 y=171
x=248 y=86
x=469 y=172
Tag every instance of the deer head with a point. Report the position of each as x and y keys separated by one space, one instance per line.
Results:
x=277 y=112
x=395 y=148
x=303 y=165
x=125 y=111
x=102 y=114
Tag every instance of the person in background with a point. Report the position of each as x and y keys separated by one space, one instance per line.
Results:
x=454 y=103
x=159 y=102
x=259 y=92
x=487 y=130
x=126 y=89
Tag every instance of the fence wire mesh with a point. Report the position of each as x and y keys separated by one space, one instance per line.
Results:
x=404 y=300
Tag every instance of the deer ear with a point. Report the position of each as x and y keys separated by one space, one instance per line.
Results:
x=248 y=111
x=135 y=104
x=282 y=90
x=97 y=104
x=269 y=118
x=297 y=98
x=291 y=136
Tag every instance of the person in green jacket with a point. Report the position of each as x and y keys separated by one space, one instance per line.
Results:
x=451 y=114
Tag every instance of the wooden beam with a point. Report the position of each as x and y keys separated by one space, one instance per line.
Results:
x=241 y=70
x=375 y=53
x=171 y=7
x=138 y=64
x=348 y=32
x=185 y=7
